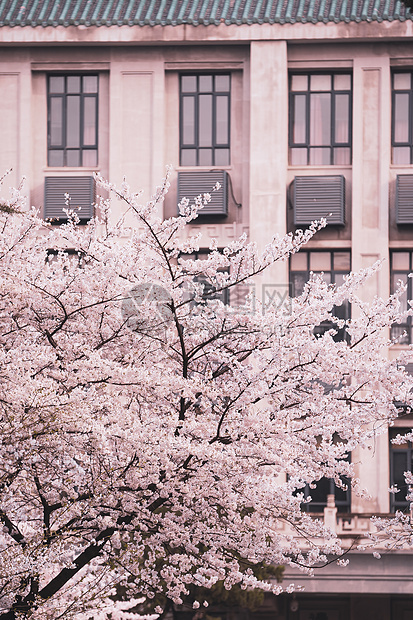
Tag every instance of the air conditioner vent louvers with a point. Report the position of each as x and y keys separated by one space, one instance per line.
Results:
x=191 y=184
x=404 y=199
x=318 y=196
x=81 y=191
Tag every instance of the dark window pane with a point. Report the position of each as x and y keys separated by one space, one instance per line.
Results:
x=402 y=81
x=320 y=119
x=395 y=277
x=320 y=261
x=90 y=84
x=222 y=83
x=205 y=157
x=400 y=466
x=342 y=156
x=89 y=119
x=90 y=158
x=298 y=157
x=324 y=487
x=299 y=83
x=342 y=82
x=342 y=311
x=401 y=117
x=320 y=156
x=327 y=277
x=400 y=261
x=73 y=158
x=56 y=158
x=222 y=157
x=222 y=128
x=73 y=84
x=342 y=117
x=205 y=120
x=298 y=281
x=320 y=82
x=73 y=121
x=401 y=333
x=342 y=495
x=299 y=261
x=300 y=130
x=188 y=157
x=188 y=118
x=56 y=121
x=188 y=83
x=56 y=84
x=205 y=83
x=401 y=155
x=341 y=261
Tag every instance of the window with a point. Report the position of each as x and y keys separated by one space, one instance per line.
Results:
x=333 y=264
x=401 y=264
x=325 y=487
x=401 y=460
x=205 y=120
x=402 y=131
x=320 y=119
x=209 y=292
x=72 y=125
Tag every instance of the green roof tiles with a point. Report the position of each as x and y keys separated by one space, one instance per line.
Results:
x=195 y=12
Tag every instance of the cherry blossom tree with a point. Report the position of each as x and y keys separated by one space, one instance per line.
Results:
x=154 y=439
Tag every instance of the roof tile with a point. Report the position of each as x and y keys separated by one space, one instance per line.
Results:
x=208 y=12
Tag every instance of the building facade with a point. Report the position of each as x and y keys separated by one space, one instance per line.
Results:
x=300 y=109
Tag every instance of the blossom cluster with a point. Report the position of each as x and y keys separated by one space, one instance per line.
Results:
x=168 y=445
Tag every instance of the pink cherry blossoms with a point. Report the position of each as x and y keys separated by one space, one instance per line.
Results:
x=154 y=437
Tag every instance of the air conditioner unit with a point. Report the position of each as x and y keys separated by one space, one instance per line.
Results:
x=82 y=197
x=191 y=184
x=404 y=199
x=319 y=196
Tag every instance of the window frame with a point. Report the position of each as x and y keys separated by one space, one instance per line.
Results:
x=399 y=504
x=208 y=293
x=409 y=293
x=402 y=144
x=316 y=507
x=333 y=112
x=63 y=96
x=195 y=146
x=341 y=334
x=342 y=498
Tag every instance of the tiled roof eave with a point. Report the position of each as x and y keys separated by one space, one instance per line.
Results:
x=202 y=22
x=213 y=13
x=293 y=29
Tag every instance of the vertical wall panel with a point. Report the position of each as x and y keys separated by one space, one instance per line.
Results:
x=9 y=126
x=137 y=129
x=371 y=147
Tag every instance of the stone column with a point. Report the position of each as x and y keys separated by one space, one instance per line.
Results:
x=268 y=151
x=371 y=161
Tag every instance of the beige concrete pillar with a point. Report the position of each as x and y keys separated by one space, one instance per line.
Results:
x=268 y=150
x=371 y=161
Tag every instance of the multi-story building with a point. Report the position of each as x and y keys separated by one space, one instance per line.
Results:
x=300 y=108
